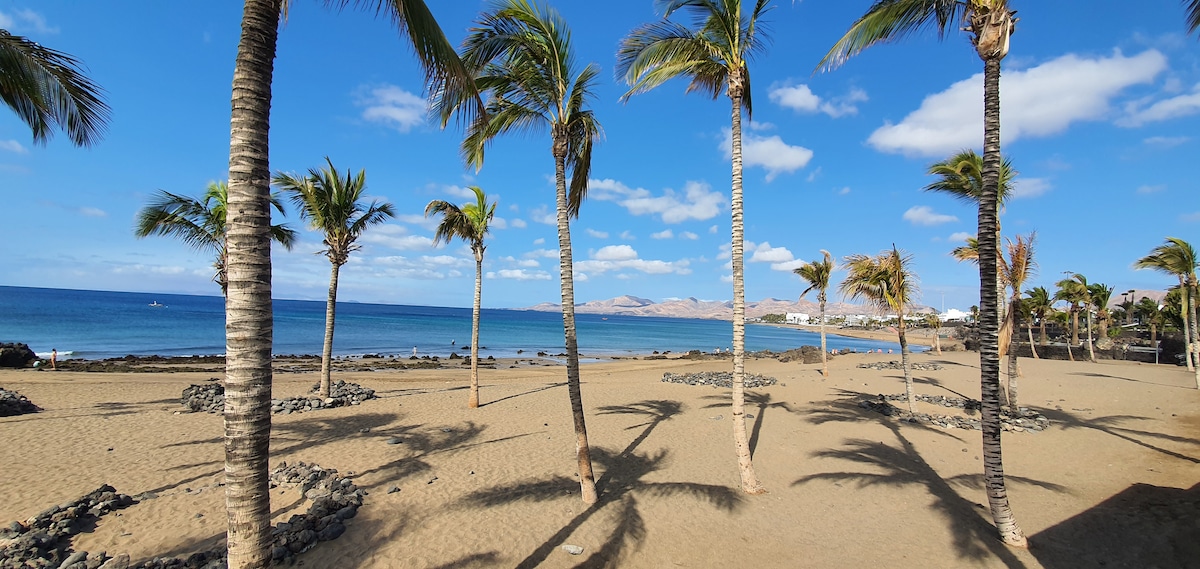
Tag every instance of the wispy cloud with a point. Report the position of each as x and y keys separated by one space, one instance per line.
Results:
x=664 y=234
x=13 y=146
x=1166 y=141
x=960 y=237
x=519 y=275
x=697 y=201
x=597 y=234
x=24 y=21
x=87 y=211
x=624 y=257
x=1151 y=189
x=1040 y=101
x=801 y=98
x=924 y=215
x=1148 y=111
x=1030 y=187
x=392 y=106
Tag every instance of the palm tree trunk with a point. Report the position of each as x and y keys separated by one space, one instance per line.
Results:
x=248 y=311
x=989 y=355
x=1074 y=325
x=824 y=349
x=1194 y=344
x=583 y=453
x=330 y=318
x=473 y=398
x=904 y=364
x=1042 y=327
x=1091 y=351
x=937 y=340
x=1033 y=350
x=1013 y=373
x=1187 y=327
x=750 y=483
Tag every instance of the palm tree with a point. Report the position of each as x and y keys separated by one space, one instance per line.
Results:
x=1081 y=292
x=1063 y=319
x=1151 y=313
x=1070 y=292
x=521 y=56
x=46 y=88
x=961 y=177
x=933 y=320
x=1027 y=314
x=716 y=57
x=1040 y=306
x=1101 y=295
x=887 y=281
x=1177 y=257
x=248 y=314
x=332 y=204
x=200 y=223
x=1193 y=14
x=469 y=223
x=816 y=274
x=1019 y=267
x=990 y=23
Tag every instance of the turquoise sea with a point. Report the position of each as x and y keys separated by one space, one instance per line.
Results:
x=97 y=325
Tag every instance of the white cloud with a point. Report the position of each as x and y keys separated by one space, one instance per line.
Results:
x=924 y=215
x=597 y=234
x=698 y=201
x=689 y=236
x=765 y=253
x=1166 y=141
x=498 y=223
x=539 y=241
x=843 y=191
x=519 y=275
x=92 y=212
x=960 y=236
x=768 y=152
x=542 y=253
x=542 y=214
x=1038 y=102
x=1140 y=113
x=519 y=223
x=664 y=234
x=12 y=146
x=628 y=235
x=396 y=237
x=393 y=107
x=1151 y=189
x=813 y=175
x=1190 y=217
x=801 y=98
x=24 y=21
x=712 y=230
x=615 y=253
x=1030 y=187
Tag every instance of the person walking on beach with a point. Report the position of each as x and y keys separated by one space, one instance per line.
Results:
x=53 y=359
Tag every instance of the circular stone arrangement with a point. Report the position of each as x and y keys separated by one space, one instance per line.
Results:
x=13 y=403
x=45 y=539
x=341 y=394
x=899 y=366
x=718 y=379
x=1020 y=420
x=335 y=499
x=209 y=398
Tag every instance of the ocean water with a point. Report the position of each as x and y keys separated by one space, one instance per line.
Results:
x=97 y=324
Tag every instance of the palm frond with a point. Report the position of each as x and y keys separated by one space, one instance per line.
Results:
x=1193 y=15
x=891 y=20
x=46 y=88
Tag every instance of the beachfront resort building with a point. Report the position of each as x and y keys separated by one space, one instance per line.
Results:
x=796 y=318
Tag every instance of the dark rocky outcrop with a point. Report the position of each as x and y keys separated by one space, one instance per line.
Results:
x=16 y=355
x=13 y=403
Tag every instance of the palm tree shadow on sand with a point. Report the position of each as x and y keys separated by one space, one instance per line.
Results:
x=969 y=521
x=1112 y=425
x=619 y=487
x=759 y=399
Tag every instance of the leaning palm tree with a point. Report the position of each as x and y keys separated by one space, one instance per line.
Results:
x=1101 y=295
x=816 y=274
x=1177 y=257
x=46 y=88
x=1017 y=268
x=333 y=205
x=200 y=223
x=715 y=56
x=1078 y=292
x=934 y=320
x=522 y=58
x=887 y=281
x=1070 y=292
x=248 y=315
x=1150 y=313
x=469 y=223
x=990 y=24
x=1040 y=306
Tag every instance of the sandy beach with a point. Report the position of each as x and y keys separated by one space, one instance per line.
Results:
x=1114 y=480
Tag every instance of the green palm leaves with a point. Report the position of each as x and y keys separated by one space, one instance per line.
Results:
x=961 y=177
x=885 y=280
x=1177 y=257
x=47 y=89
x=469 y=222
x=332 y=205
x=200 y=223
x=816 y=274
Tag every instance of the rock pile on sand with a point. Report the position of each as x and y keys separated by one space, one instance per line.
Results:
x=335 y=499
x=341 y=394
x=898 y=366
x=209 y=398
x=718 y=379
x=1019 y=420
x=45 y=539
x=13 y=403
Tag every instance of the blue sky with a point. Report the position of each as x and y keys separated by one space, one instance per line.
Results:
x=1101 y=112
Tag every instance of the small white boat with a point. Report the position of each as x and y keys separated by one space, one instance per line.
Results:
x=157 y=304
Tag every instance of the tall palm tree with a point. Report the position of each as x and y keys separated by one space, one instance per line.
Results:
x=1080 y=293
x=333 y=205
x=1101 y=295
x=248 y=314
x=200 y=223
x=1150 y=312
x=715 y=56
x=934 y=320
x=1070 y=292
x=469 y=223
x=522 y=58
x=816 y=274
x=887 y=281
x=46 y=88
x=1177 y=257
x=1016 y=269
x=990 y=24
x=1040 y=306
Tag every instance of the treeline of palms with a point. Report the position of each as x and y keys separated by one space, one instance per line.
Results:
x=518 y=59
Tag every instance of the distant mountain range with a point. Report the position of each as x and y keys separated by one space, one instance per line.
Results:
x=708 y=309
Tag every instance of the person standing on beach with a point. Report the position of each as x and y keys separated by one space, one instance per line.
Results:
x=53 y=359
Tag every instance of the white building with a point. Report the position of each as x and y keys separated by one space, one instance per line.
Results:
x=796 y=318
